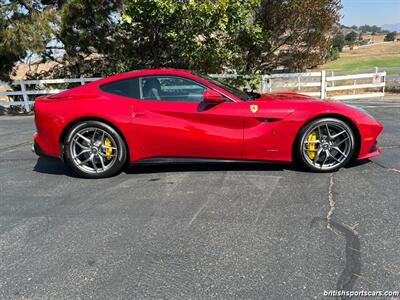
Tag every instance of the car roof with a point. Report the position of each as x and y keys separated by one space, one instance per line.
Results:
x=144 y=72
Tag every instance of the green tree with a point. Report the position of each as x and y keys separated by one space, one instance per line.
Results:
x=351 y=38
x=391 y=36
x=102 y=37
x=85 y=32
x=294 y=34
x=248 y=36
x=338 y=41
x=25 y=28
x=194 y=34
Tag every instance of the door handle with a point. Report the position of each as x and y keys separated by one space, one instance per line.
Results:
x=137 y=114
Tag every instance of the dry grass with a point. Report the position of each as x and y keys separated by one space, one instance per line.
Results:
x=22 y=69
x=376 y=38
x=373 y=50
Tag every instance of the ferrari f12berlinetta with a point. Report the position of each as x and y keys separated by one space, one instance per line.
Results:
x=168 y=115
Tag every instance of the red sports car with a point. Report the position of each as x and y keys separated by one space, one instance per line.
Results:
x=168 y=115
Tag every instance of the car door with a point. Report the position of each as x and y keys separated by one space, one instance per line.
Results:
x=266 y=134
x=171 y=120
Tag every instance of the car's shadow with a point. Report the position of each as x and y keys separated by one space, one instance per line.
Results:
x=54 y=166
x=356 y=163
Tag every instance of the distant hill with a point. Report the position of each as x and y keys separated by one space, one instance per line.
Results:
x=392 y=27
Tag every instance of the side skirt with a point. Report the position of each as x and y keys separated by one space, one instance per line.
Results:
x=196 y=160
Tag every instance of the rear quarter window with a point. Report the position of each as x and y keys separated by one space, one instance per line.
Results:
x=125 y=87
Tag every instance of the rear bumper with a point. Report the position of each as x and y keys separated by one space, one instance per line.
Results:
x=37 y=149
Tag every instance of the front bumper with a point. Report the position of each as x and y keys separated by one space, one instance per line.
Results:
x=369 y=130
x=374 y=151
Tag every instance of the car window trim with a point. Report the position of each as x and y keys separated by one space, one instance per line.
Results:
x=229 y=98
x=188 y=78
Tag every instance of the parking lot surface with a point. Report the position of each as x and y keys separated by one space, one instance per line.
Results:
x=198 y=231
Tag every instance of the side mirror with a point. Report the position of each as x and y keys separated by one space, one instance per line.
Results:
x=211 y=96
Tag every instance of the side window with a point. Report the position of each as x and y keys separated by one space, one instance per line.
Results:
x=170 y=88
x=126 y=87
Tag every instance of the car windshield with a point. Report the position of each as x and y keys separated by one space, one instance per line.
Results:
x=234 y=91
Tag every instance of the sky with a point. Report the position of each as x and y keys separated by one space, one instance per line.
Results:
x=370 y=12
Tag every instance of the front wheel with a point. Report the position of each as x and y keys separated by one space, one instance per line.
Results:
x=95 y=150
x=325 y=145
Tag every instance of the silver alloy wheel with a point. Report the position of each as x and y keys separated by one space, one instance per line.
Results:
x=90 y=152
x=332 y=145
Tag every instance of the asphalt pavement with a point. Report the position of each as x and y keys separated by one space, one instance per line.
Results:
x=198 y=231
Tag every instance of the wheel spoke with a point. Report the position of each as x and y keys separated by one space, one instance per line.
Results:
x=342 y=141
x=108 y=147
x=313 y=142
x=326 y=158
x=80 y=145
x=327 y=130
x=334 y=158
x=105 y=155
x=83 y=138
x=79 y=154
x=102 y=162
x=86 y=160
x=94 y=135
x=319 y=132
x=316 y=158
x=94 y=164
x=340 y=151
x=337 y=134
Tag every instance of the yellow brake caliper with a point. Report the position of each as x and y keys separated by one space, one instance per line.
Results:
x=109 y=151
x=310 y=146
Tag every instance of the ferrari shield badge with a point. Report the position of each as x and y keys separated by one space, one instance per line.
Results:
x=254 y=108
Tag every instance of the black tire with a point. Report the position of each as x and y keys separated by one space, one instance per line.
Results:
x=315 y=164
x=117 y=162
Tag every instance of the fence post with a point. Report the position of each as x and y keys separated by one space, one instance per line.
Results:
x=323 y=84
x=384 y=80
x=261 y=85
x=25 y=96
x=82 y=80
x=298 y=83
x=270 y=85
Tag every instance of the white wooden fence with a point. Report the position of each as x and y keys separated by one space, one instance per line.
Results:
x=320 y=84
x=323 y=84
x=39 y=89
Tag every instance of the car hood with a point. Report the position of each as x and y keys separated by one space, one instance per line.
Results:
x=287 y=96
x=291 y=102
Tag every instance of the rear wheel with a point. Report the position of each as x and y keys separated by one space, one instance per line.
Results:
x=325 y=145
x=95 y=150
